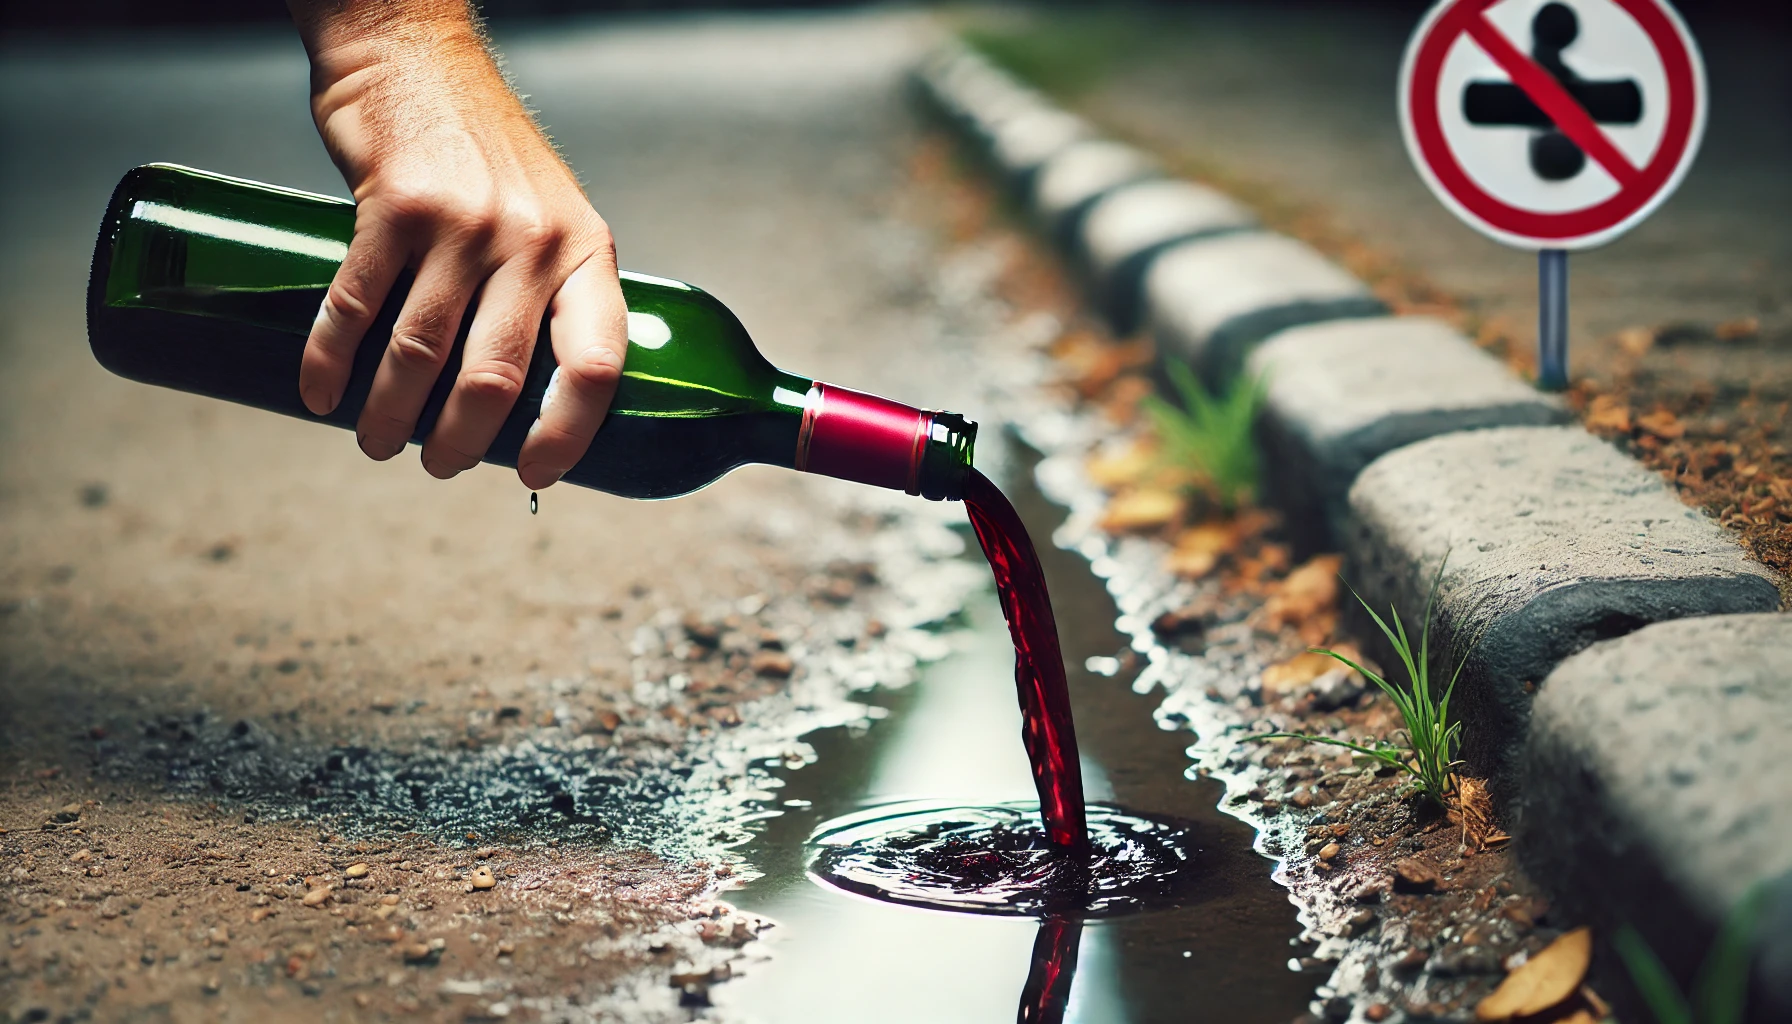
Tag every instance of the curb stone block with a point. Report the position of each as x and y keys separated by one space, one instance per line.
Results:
x=1555 y=540
x=1345 y=392
x=976 y=92
x=1210 y=301
x=1654 y=785
x=1081 y=173
x=1023 y=143
x=1132 y=225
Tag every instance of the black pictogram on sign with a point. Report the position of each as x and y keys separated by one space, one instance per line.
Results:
x=1554 y=156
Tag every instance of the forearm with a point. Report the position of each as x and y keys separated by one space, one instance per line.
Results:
x=428 y=52
x=383 y=26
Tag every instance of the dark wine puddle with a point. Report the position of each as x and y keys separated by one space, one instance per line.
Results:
x=910 y=879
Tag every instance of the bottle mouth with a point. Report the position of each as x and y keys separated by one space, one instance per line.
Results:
x=855 y=436
x=945 y=459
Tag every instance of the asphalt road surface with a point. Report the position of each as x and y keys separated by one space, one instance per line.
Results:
x=205 y=608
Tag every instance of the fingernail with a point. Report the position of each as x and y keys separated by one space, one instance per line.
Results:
x=440 y=470
x=377 y=449
x=317 y=400
x=526 y=469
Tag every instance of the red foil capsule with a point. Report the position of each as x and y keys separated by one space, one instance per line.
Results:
x=853 y=436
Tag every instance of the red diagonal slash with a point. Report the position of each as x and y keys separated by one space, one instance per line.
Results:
x=1553 y=100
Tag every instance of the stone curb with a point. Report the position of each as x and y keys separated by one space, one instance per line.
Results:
x=1126 y=230
x=1342 y=393
x=1554 y=540
x=1210 y=301
x=1399 y=438
x=1073 y=179
x=1644 y=748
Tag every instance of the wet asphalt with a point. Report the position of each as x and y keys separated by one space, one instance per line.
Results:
x=221 y=629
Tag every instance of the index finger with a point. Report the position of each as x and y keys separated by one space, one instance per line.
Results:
x=589 y=331
x=375 y=257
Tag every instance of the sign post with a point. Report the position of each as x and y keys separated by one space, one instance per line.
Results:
x=1552 y=125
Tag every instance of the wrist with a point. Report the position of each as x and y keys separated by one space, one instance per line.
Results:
x=357 y=43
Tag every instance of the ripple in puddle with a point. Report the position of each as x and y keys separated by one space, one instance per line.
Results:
x=995 y=859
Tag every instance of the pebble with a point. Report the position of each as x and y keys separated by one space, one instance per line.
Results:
x=260 y=914
x=482 y=878
x=213 y=985
x=1415 y=875
x=357 y=871
x=506 y=948
x=317 y=897
x=1328 y=851
x=772 y=663
x=419 y=952
x=219 y=936
x=1378 y=1012
x=389 y=900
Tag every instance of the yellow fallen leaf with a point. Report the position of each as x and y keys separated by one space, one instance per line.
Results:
x=1296 y=671
x=1192 y=564
x=1213 y=537
x=1121 y=403
x=1609 y=414
x=1742 y=327
x=1141 y=509
x=1310 y=590
x=1662 y=424
x=1636 y=340
x=1126 y=467
x=1542 y=981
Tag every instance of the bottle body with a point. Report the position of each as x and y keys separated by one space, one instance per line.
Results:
x=210 y=284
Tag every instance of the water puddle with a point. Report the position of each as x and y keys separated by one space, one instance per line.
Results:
x=888 y=824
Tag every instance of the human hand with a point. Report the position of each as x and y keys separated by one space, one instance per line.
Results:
x=454 y=181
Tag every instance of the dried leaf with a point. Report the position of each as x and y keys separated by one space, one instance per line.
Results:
x=1304 y=668
x=1121 y=403
x=1141 y=509
x=1192 y=565
x=1296 y=671
x=1541 y=982
x=1741 y=327
x=1662 y=424
x=1472 y=810
x=1636 y=340
x=1309 y=591
x=1608 y=413
x=1113 y=470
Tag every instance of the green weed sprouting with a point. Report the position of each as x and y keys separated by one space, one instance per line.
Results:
x=1213 y=434
x=1720 y=991
x=1429 y=754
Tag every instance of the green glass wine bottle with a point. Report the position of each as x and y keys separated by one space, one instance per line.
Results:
x=209 y=284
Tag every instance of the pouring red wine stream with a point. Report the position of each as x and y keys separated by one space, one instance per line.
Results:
x=1046 y=725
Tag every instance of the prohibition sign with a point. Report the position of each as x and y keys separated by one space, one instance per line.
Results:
x=1662 y=55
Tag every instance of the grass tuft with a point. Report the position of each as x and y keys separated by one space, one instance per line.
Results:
x=1065 y=53
x=1720 y=991
x=1213 y=435
x=1431 y=739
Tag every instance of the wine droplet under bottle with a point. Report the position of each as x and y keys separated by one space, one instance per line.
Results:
x=534 y=503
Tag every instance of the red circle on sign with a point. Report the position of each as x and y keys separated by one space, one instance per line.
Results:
x=1424 y=68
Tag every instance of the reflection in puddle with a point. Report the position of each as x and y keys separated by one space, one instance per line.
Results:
x=1047 y=994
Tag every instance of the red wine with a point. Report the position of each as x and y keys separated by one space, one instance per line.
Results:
x=1046 y=726
x=1053 y=967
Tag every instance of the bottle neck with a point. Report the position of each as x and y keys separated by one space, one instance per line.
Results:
x=854 y=436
